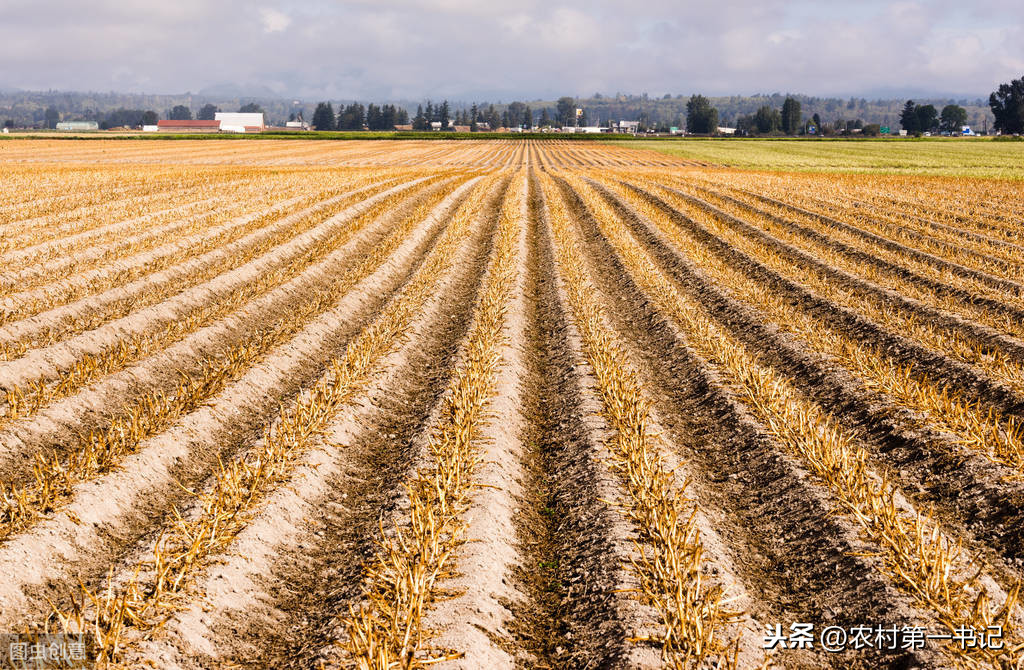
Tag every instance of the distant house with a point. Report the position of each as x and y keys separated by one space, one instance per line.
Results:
x=403 y=126
x=241 y=122
x=461 y=129
x=296 y=125
x=77 y=126
x=435 y=125
x=187 y=126
x=723 y=130
x=630 y=127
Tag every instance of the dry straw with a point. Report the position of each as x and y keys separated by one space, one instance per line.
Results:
x=669 y=566
x=402 y=580
x=916 y=554
x=155 y=589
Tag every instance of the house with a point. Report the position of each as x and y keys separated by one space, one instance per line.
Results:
x=77 y=126
x=296 y=125
x=241 y=122
x=723 y=130
x=630 y=127
x=187 y=126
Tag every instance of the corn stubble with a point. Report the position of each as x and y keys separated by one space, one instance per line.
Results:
x=65 y=207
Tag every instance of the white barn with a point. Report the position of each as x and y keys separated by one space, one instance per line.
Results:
x=241 y=122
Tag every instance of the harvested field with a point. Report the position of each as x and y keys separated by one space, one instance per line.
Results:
x=498 y=404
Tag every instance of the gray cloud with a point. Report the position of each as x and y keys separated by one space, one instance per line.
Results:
x=463 y=49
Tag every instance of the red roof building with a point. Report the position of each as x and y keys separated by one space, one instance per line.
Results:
x=189 y=126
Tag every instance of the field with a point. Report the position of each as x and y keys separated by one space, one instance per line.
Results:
x=952 y=157
x=491 y=404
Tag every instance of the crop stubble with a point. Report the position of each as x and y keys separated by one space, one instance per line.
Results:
x=502 y=404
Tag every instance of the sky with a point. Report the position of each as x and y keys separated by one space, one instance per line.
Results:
x=522 y=49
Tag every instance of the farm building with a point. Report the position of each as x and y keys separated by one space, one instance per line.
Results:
x=627 y=127
x=403 y=126
x=187 y=126
x=241 y=122
x=78 y=125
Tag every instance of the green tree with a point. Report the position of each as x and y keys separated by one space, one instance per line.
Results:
x=565 y=109
x=473 y=112
x=250 y=108
x=180 y=113
x=1007 y=103
x=374 y=119
x=545 y=118
x=817 y=122
x=791 y=116
x=927 y=117
x=767 y=120
x=323 y=116
x=909 y=119
x=148 y=118
x=420 y=122
x=701 y=117
x=52 y=117
x=444 y=115
x=8 y=123
x=207 y=112
x=952 y=118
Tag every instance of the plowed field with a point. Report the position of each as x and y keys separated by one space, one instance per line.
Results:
x=506 y=404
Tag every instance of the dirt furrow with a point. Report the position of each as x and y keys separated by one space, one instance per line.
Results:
x=293 y=572
x=975 y=498
x=939 y=262
x=48 y=361
x=935 y=364
x=108 y=516
x=793 y=555
x=940 y=288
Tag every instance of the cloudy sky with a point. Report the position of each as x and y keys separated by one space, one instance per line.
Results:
x=464 y=49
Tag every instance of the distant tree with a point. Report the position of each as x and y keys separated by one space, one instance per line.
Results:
x=52 y=117
x=443 y=116
x=351 y=117
x=545 y=118
x=420 y=121
x=148 y=118
x=927 y=117
x=429 y=113
x=566 y=110
x=492 y=117
x=402 y=116
x=1007 y=103
x=527 y=121
x=323 y=116
x=9 y=123
x=250 y=108
x=374 y=120
x=952 y=118
x=767 y=120
x=872 y=129
x=791 y=116
x=208 y=112
x=473 y=112
x=180 y=113
x=817 y=121
x=701 y=117
x=909 y=119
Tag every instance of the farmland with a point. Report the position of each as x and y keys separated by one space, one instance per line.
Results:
x=951 y=157
x=488 y=404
